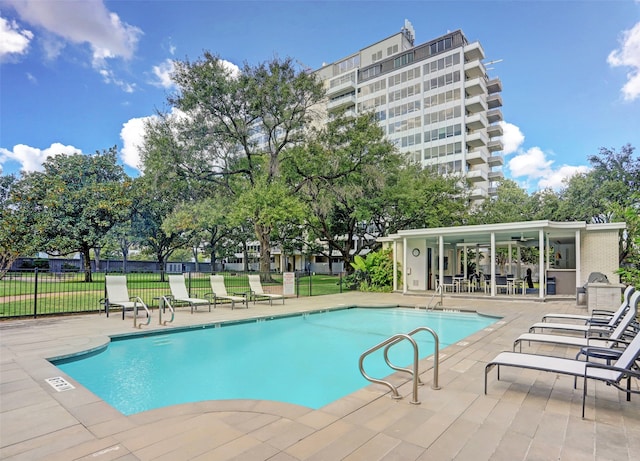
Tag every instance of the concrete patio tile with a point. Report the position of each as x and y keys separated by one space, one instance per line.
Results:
x=404 y=452
x=317 y=419
x=319 y=440
x=34 y=421
x=283 y=433
x=48 y=446
x=341 y=447
x=375 y=448
x=448 y=444
x=513 y=446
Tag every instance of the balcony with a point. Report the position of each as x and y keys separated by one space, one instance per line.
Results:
x=494 y=85
x=475 y=86
x=495 y=175
x=495 y=146
x=477 y=176
x=476 y=121
x=475 y=104
x=474 y=69
x=476 y=139
x=493 y=191
x=477 y=157
x=341 y=88
x=494 y=130
x=478 y=194
x=473 y=52
x=494 y=101
x=494 y=116
x=342 y=102
x=495 y=160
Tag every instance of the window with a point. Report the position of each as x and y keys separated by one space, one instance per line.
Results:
x=403 y=60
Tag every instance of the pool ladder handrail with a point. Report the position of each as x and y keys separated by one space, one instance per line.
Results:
x=438 y=291
x=137 y=300
x=164 y=303
x=395 y=339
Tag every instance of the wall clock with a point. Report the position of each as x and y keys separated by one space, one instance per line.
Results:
x=415 y=252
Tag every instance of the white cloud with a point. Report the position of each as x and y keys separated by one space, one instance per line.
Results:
x=628 y=55
x=132 y=135
x=536 y=168
x=32 y=158
x=83 y=22
x=163 y=73
x=512 y=138
x=532 y=167
x=13 y=40
x=233 y=70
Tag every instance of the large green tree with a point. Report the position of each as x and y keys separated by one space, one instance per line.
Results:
x=16 y=235
x=74 y=202
x=235 y=132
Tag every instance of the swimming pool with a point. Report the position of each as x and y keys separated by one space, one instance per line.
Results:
x=309 y=359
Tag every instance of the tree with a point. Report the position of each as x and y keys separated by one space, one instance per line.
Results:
x=339 y=173
x=16 y=236
x=238 y=128
x=75 y=201
x=510 y=204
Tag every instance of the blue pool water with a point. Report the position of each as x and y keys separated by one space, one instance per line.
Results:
x=309 y=360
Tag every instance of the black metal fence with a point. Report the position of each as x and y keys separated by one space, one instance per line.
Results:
x=38 y=293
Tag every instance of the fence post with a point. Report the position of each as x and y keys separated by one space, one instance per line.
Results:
x=35 y=294
x=310 y=286
x=340 y=283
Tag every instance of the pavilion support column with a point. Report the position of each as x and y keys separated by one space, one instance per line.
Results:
x=493 y=264
x=509 y=259
x=578 y=263
x=440 y=260
x=464 y=263
x=395 y=265
x=404 y=265
x=542 y=286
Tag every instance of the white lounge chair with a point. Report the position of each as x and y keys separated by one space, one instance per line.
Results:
x=592 y=327
x=118 y=295
x=258 y=292
x=597 y=315
x=625 y=328
x=219 y=291
x=180 y=294
x=625 y=367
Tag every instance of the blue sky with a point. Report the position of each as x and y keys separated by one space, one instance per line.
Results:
x=82 y=76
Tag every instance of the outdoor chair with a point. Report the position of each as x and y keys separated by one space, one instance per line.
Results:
x=589 y=328
x=597 y=315
x=118 y=296
x=624 y=331
x=624 y=367
x=258 y=292
x=219 y=291
x=447 y=282
x=180 y=295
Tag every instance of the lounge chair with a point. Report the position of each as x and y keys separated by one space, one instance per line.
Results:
x=590 y=328
x=258 y=292
x=118 y=295
x=624 y=367
x=180 y=294
x=619 y=337
x=597 y=315
x=219 y=291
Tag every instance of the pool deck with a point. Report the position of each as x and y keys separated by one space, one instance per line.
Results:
x=527 y=415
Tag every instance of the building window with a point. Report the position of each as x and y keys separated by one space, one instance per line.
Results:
x=403 y=60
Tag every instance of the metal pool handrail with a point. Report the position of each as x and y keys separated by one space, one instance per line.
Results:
x=164 y=302
x=137 y=300
x=395 y=339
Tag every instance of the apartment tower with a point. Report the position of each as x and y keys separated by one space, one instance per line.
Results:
x=435 y=101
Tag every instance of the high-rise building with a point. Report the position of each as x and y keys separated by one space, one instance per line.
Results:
x=435 y=101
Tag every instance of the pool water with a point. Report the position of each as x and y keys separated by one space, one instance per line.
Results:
x=308 y=360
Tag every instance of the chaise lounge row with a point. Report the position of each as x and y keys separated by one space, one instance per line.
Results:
x=609 y=336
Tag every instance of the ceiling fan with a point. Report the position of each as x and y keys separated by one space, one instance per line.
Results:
x=522 y=238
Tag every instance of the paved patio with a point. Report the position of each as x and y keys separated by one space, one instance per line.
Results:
x=527 y=415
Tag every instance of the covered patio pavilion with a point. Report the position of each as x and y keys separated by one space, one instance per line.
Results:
x=568 y=253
